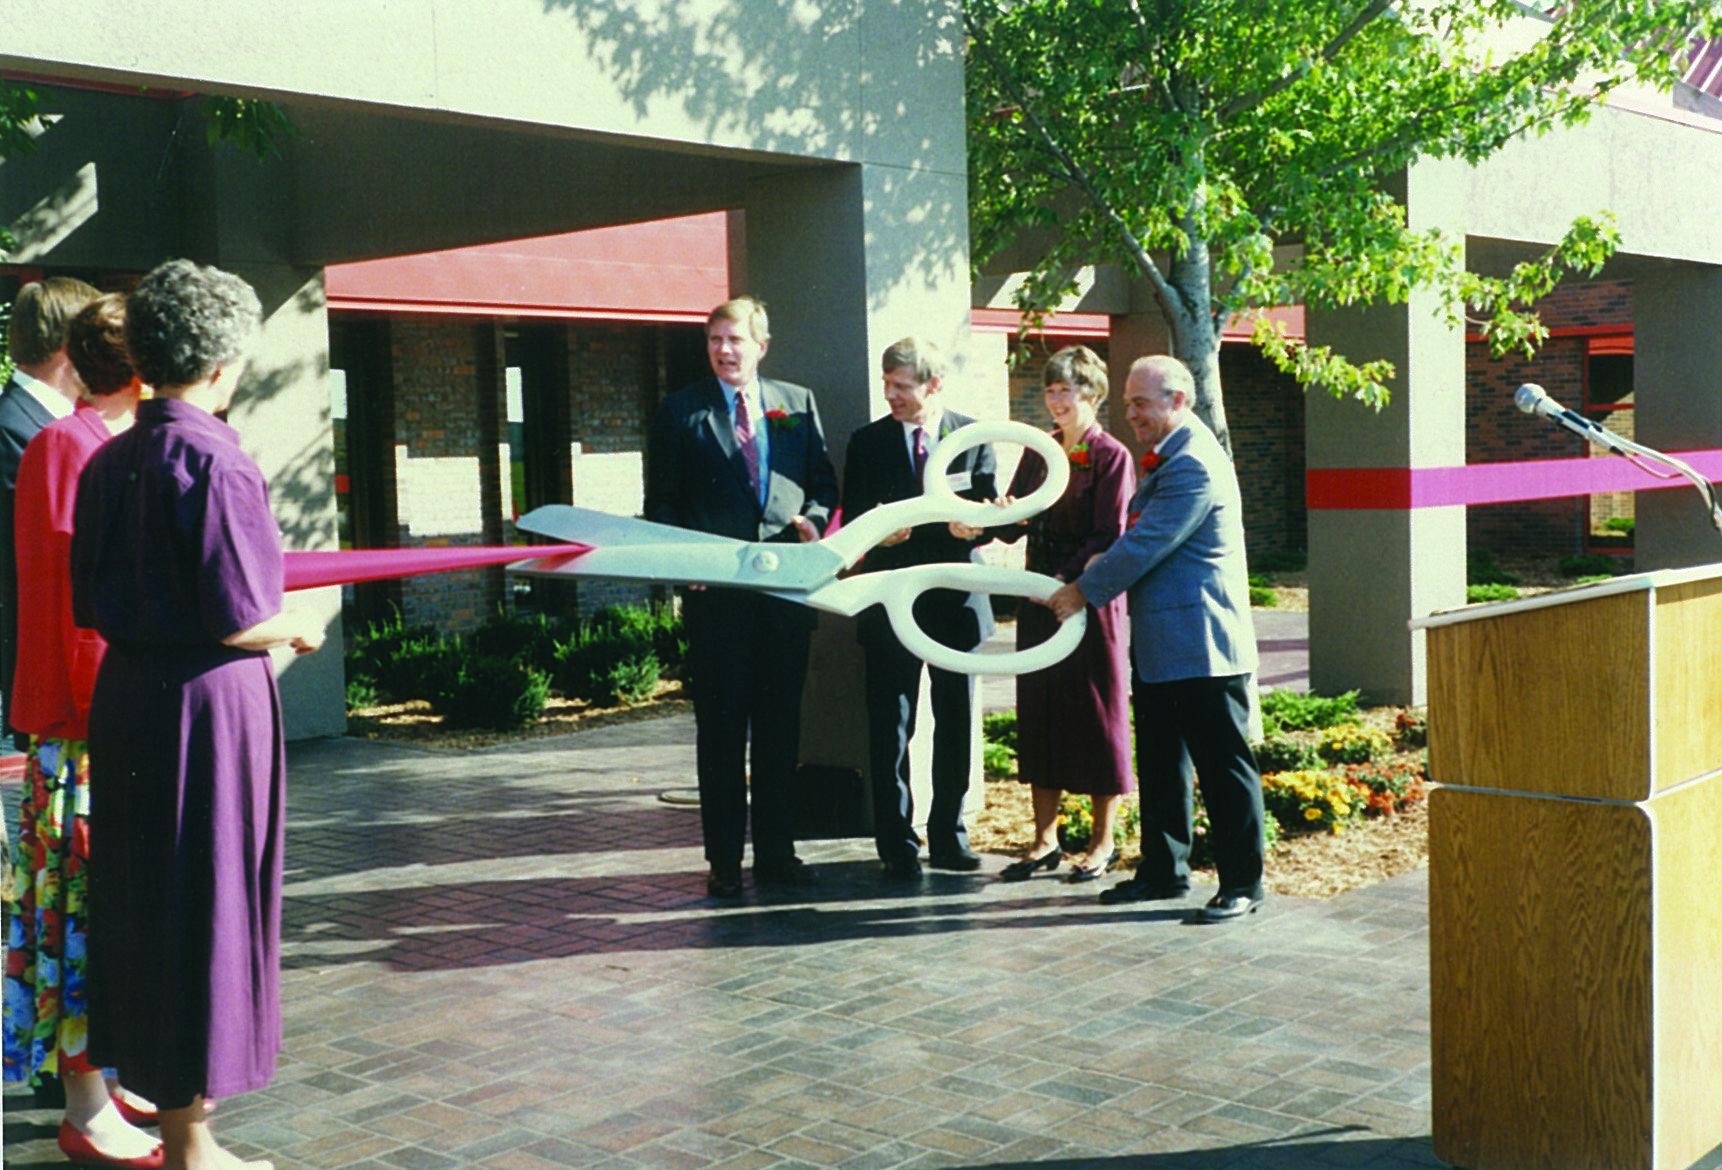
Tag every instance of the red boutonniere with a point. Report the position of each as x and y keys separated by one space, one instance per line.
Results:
x=1150 y=461
x=1080 y=456
x=781 y=419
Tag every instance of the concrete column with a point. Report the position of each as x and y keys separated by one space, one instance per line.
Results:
x=282 y=414
x=1677 y=391
x=1372 y=570
x=849 y=259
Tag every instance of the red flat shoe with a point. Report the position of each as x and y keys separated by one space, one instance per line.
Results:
x=81 y=1151
x=134 y=1115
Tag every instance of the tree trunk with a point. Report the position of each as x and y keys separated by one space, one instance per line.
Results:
x=1195 y=339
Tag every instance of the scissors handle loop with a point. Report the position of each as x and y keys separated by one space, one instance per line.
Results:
x=939 y=503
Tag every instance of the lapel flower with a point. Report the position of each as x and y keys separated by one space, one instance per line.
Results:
x=781 y=419
x=1150 y=461
x=1079 y=455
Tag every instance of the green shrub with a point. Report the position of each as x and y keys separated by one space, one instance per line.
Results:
x=586 y=664
x=1481 y=569
x=1289 y=560
x=1411 y=726
x=1622 y=524
x=997 y=760
x=1316 y=799
x=392 y=655
x=657 y=627
x=528 y=638
x=1353 y=744
x=1262 y=597
x=1076 y=822
x=423 y=669
x=632 y=680
x=1293 y=711
x=999 y=727
x=1591 y=565
x=1279 y=753
x=362 y=692
x=1475 y=593
x=487 y=691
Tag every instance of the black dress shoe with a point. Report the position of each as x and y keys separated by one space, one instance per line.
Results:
x=724 y=881
x=1224 y=907
x=794 y=872
x=1025 y=868
x=961 y=860
x=903 y=869
x=1139 y=890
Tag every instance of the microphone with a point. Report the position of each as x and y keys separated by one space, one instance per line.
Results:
x=1533 y=399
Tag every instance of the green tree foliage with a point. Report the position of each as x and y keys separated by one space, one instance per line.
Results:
x=1185 y=139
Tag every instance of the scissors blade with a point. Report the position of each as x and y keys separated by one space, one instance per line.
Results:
x=626 y=549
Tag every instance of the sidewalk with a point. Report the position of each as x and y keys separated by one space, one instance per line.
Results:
x=503 y=958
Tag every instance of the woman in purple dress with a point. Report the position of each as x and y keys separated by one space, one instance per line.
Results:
x=1073 y=719
x=176 y=561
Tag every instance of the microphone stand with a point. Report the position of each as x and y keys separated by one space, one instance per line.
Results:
x=1532 y=399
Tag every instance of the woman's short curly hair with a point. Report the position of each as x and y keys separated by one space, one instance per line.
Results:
x=184 y=319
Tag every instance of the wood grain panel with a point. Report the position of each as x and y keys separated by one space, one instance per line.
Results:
x=1551 y=700
x=1540 y=982
x=1688 y=838
x=1688 y=681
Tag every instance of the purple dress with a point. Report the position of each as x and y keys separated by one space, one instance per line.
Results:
x=1073 y=718
x=174 y=549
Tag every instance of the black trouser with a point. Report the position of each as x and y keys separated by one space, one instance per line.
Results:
x=1197 y=728
x=893 y=683
x=748 y=657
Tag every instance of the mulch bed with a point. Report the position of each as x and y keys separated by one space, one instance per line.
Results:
x=416 y=723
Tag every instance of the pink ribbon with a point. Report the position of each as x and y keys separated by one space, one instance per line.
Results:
x=310 y=570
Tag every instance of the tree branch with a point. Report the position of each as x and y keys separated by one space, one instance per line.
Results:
x=1150 y=53
x=1164 y=294
x=1249 y=101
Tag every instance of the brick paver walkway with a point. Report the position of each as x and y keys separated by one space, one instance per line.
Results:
x=504 y=958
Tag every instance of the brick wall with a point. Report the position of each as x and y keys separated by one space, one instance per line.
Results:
x=1265 y=412
x=1496 y=431
x=448 y=400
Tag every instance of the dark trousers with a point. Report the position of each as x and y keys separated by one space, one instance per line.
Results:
x=748 y=657
x=893 y=682
x=1197 y=728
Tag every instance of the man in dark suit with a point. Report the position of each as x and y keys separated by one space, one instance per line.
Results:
x=884 y=464
x=43 y=387
x=744 y=457
x=1192 y=643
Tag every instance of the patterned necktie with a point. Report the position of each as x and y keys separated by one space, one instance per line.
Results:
x=920 y=452
x=744 y=440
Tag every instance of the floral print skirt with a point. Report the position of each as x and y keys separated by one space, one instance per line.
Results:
x=46 y=1016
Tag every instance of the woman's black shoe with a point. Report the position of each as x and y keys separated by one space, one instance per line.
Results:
x=1021 y=871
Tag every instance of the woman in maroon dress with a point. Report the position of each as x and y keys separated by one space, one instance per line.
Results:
x=176 y=561
x=1073 y=719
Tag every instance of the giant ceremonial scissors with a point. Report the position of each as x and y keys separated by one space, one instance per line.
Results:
x=640 y=550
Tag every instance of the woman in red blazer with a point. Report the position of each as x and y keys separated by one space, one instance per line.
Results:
x=46 y=1025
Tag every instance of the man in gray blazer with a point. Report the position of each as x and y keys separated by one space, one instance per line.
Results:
x=1193 y=646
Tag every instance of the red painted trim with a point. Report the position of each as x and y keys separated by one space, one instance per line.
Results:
x=395 y=305
x=1403 y=488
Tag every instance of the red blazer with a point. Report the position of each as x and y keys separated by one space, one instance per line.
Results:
x=57 y=661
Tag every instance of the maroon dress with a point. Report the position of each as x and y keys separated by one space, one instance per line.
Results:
x=174 y=549
x=1073 y=718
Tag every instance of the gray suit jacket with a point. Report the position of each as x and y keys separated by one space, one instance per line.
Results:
x=1182 y=560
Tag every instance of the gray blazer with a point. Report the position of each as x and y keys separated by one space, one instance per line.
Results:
x=1182 y=560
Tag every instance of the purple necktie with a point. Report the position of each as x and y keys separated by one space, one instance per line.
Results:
x=744 y=439
x=920 y=452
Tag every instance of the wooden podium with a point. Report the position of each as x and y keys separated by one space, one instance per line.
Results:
x=1575 y=877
